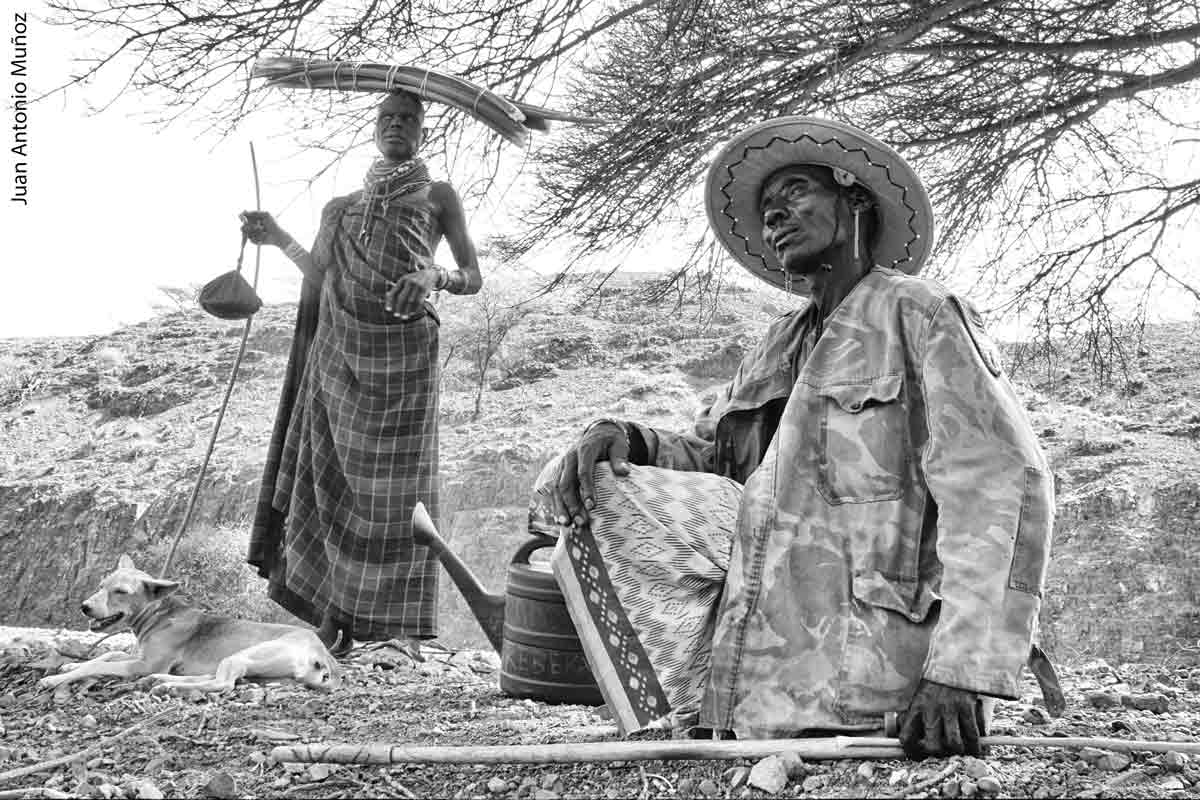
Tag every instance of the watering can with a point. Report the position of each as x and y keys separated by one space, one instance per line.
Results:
x=541 y=656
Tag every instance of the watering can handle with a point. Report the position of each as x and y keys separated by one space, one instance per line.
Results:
x=536 y=543
x=424 y=532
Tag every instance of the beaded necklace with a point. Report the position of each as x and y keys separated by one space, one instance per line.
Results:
x=385 y=182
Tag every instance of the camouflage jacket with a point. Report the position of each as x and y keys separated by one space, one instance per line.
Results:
x=898 y=527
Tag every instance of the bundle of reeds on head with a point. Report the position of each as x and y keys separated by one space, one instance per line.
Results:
x=511 y=119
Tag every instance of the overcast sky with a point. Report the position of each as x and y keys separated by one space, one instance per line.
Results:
x=118 y=208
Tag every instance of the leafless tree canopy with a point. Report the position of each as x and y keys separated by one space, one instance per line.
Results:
x=1063 y=130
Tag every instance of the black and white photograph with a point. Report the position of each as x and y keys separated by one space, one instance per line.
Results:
x=571 y=399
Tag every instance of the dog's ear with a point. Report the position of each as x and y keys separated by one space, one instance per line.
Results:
x=159 y=587
x=125 y=562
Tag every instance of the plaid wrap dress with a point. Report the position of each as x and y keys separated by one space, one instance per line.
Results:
x=355 y=444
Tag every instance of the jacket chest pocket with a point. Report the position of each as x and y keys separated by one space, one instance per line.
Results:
x=863 y=450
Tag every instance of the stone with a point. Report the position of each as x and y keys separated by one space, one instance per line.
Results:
x=812 y=783
x=1174 y=761
x=686 y=787
x=1171 y=784
x=794 y=764
x=545 y=794
x=146 y=790
x=1090 y=755
x=1103 y=700
x=989 y=784
x=736 y=777
x=708 y=787
x=1150 y=701
x=319 y=772
x=550 y=781
x=770 y=775
x=1035 y=716
x=1113 y=762
x=497 y=785
x=866 y=771
x=221 y=785
x=950 y=789
x=976 y=767
x=88 y=722
x=968 y=789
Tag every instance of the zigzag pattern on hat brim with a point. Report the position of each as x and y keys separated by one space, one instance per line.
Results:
x=767 y=270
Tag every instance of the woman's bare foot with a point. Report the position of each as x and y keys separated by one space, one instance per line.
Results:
x=336 y=637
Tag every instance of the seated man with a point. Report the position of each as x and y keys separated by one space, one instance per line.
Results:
x=872 y=533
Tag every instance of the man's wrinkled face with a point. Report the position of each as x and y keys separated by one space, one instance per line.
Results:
x=800 y=217
x=398 y=131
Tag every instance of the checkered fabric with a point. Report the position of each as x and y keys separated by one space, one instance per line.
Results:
x=356 y=442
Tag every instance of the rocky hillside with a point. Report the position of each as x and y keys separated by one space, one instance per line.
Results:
x=102 y=439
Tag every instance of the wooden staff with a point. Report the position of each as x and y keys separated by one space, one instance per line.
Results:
x=681 y=750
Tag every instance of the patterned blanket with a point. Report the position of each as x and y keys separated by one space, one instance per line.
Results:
x=355 y=444
x=642 y=583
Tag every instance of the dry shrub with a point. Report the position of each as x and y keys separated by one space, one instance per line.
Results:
x=210 y=564
x=15 y=376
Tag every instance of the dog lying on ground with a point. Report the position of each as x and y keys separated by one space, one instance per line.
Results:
x=180 y=646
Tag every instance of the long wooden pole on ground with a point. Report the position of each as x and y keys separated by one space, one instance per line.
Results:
x=675 y=749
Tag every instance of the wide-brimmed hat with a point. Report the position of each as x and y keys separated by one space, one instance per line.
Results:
x=735 y=180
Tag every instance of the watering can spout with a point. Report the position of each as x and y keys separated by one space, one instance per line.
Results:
x=487 y=608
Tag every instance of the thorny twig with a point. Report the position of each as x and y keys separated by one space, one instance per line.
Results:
x=399 y=787
x=921 y=786
x=53 y=763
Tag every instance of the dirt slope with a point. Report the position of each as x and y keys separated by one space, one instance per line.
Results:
x=101 y=440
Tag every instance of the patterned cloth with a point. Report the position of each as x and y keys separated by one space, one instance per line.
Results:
x=355 y=443
x=642 y=584
x=897 y=528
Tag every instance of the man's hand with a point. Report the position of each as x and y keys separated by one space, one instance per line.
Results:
x=575 y=495
x=407 y=294
x=941 y=721
x=261 y=228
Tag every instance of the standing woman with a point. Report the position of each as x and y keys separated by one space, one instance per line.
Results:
x=355 y=444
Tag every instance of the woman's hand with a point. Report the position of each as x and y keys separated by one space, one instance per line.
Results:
x=407 y=294
x=261 y=228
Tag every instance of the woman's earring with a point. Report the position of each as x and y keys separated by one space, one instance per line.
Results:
x=856 y=236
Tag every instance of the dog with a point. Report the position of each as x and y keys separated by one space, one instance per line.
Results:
x=183 y=647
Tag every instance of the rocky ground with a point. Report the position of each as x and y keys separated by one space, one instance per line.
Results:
x=220 y=746
x=101 y=440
